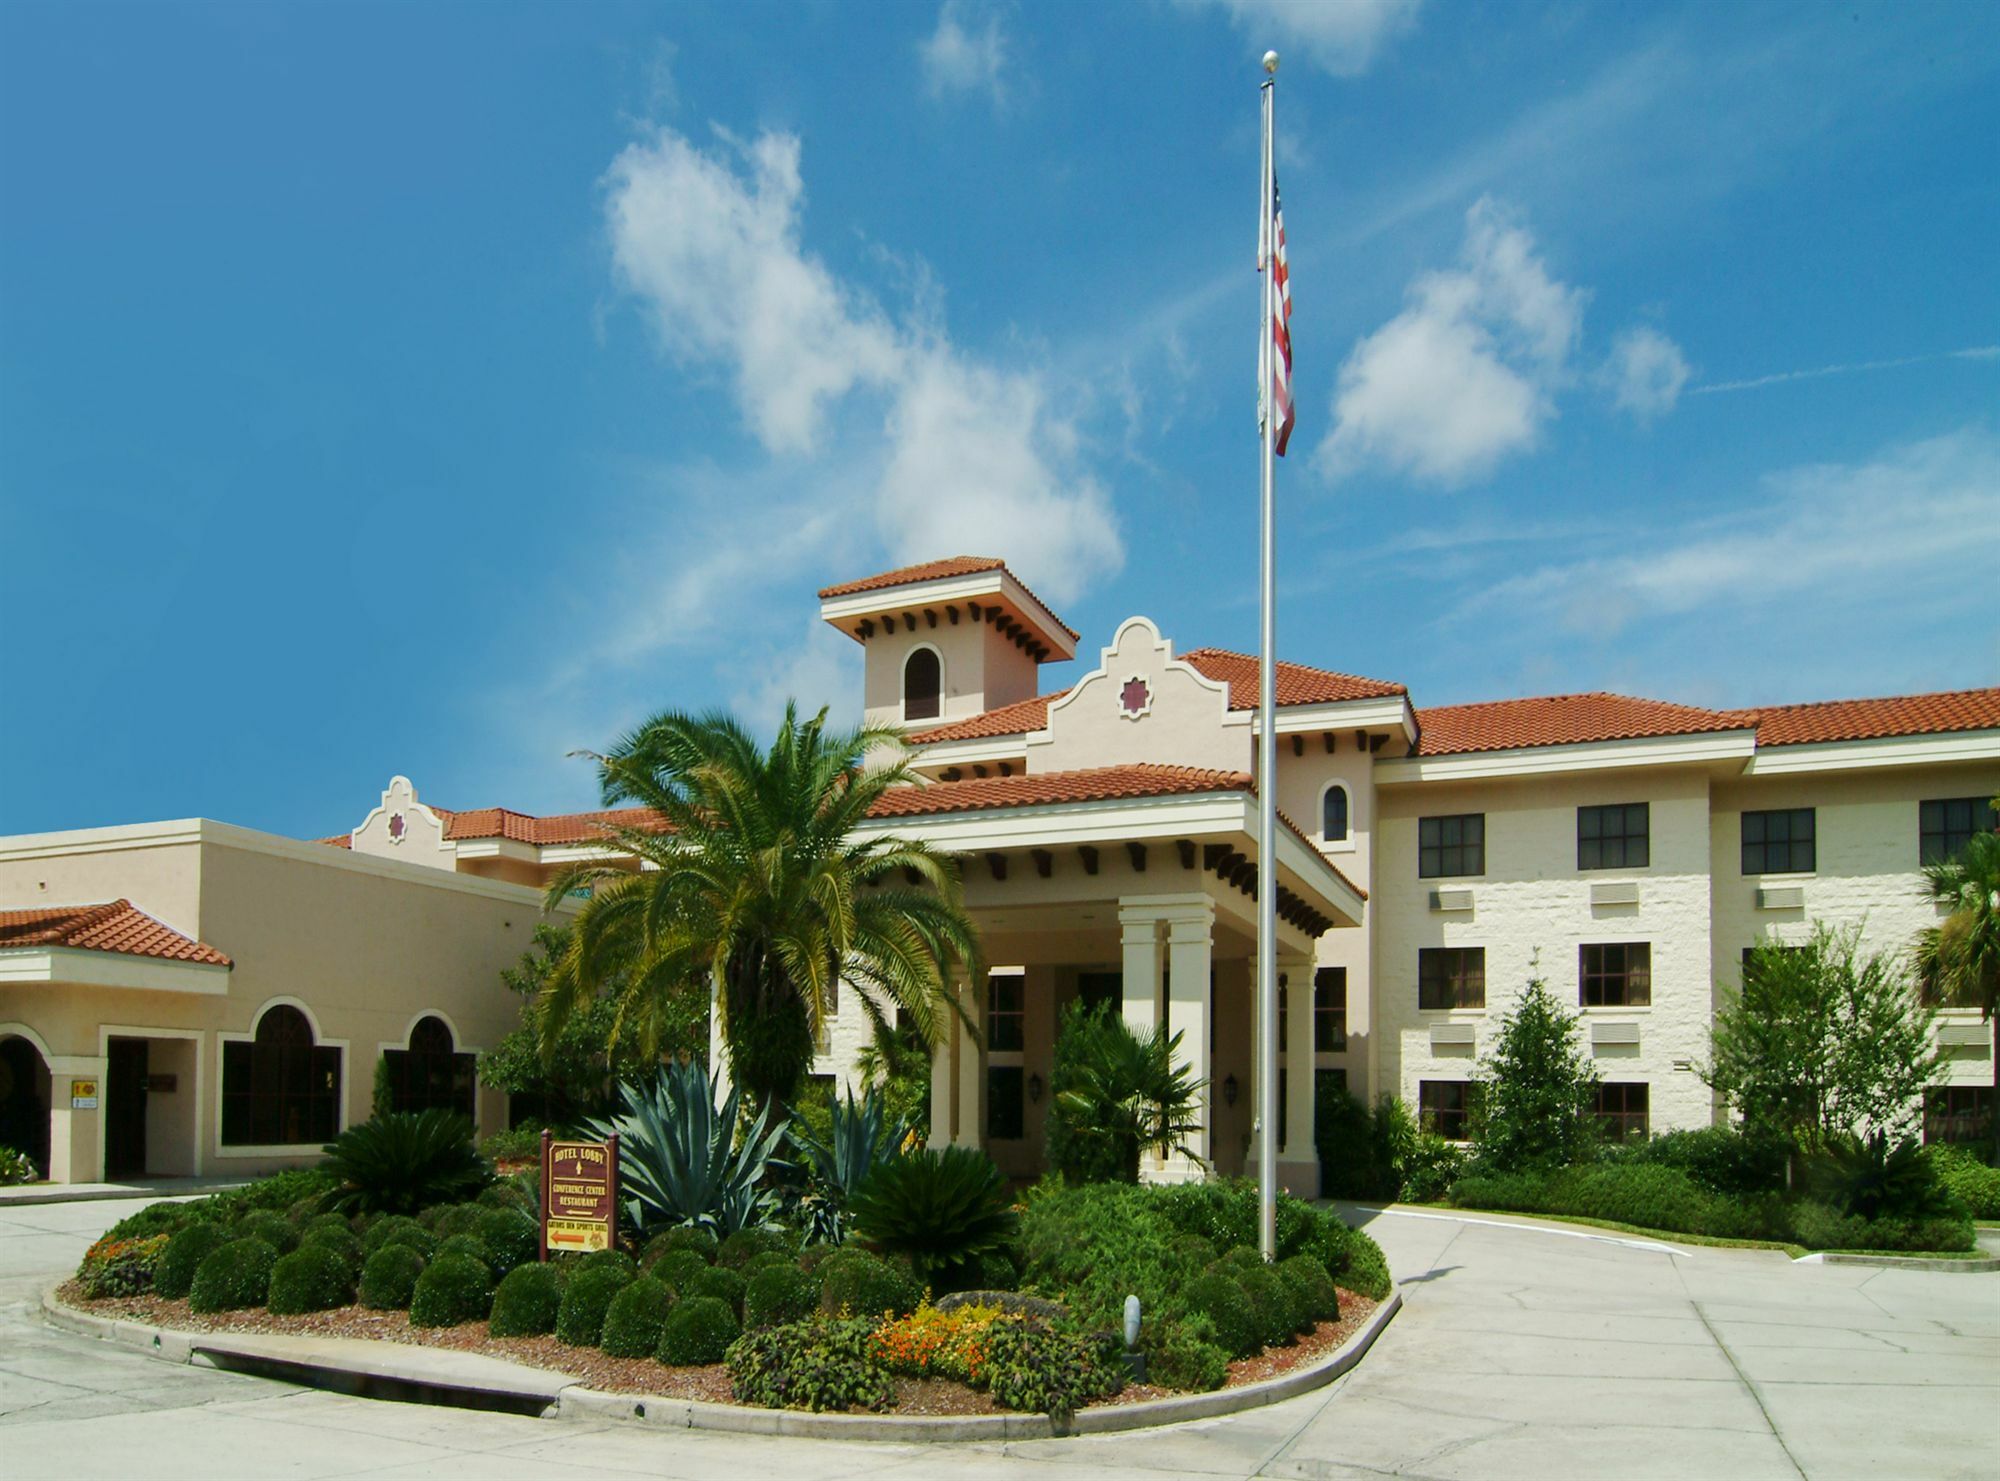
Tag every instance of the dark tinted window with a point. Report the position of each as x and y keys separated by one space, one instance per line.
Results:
x=1333 y=815
x=1778 y=842
x=280 y=1089
x=1613 y=837
x=1618 y=974
x=923 y=685
x=1451 y=977
x=1004 y=1110
x=1451 y=845
x=1946 y=824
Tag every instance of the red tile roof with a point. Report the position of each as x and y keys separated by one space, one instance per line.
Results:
x=576 y=827
x=1875 y=719
x=1099 y=784
x=1015 y=719
x=957 y=565
x=1561 y=720
x=339 y=840
x=117 y=926
x=1297 y=683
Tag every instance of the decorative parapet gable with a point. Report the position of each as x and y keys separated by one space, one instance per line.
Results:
x=403 y=828
x=1142 y=704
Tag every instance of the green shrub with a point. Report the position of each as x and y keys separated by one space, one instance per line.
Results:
x=616 y=1260
x=633 y=1320
x=585 y=1299
x=724 y=1285
x=856 y=1283
x=688 y=1237
x=341 y=1240
x=1971 y=1182
x=1194 y=1252
x=1093 y=1244
x=1822 y=1227
x=778 y=1295
x=1313 y=1287
x=528 y=1301
x=466 y=1244
x=121 y=1267
x=313 y=1223
x=1273 y=1307
x=1039 y=1370
x=765 y=1261
x=1536 y=1087
x=280 y=1190
x=508 y=1194
x=510 y=1236
x=698 y=1330
x=398 y=1229
x=406 y=1161
x=1366 y=1270
x=1717 y=1159
x=18 y=1167
x=1185 y=1356
x=1221 y=1299
x=1356 y=1158
x=677 y=1268
x=389 y=1278
x=1650 y=1195
x=173 y=1272
x=1242 y=1257
x=458 y=1218
x=164 y=1218
x=818 y=1363
x=313 y=1277
x=746 y=1244
x=513 y=1144
x=944 y=1210
x=274 y=1229
x=453 y=1289
x=233 y=1276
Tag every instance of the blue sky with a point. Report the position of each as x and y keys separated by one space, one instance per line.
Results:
x=438 y=388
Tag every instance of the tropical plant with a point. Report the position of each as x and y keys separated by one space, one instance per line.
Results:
x=761 y=894
x=1821 y=1042
x=16 y=1167
x=1115 y=1094
x=944 y=1210
x=1873 y=1178
x=679 y=1158
x=1538 y=1079
x=817 y=1363
x=1958 y=960
x=405 y=1161
x=858 y=1138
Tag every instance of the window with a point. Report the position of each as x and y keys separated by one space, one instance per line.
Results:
x=1333 y=815
x=1621 y=1111
x=1327 y=1081
x=280 y=1089
x=1329 y=1010
x=1004 y=1103
x=1448 y=1107
x=1946 y=825
x=1616 y=975
x=1779 y=842
x=923 y=685
x=1958 y=1113
x=429 y=1074
x=1451 y=845
x=1451 y=977
x=1614 y=837
x=1005 y=1014
x=1098 y=988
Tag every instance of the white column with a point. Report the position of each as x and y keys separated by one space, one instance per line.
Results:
x=1140 y=990
x=1190 y=948
x=76 y=1135
x=944 y=1087
x=1298 y=1167
x=971 y=1069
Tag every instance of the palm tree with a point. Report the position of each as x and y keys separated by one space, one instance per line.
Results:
x=755 y=887
x=1958 y=960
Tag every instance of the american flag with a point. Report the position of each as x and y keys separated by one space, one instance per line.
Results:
x=1281 y=324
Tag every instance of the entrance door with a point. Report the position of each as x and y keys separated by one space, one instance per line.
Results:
x=125 y=1109
x=24 y=1101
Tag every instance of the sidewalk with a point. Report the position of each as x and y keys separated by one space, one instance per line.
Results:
x=148 y=1188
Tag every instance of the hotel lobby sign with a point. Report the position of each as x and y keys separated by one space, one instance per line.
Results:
x=579 y=1195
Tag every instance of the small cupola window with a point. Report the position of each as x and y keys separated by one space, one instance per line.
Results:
x=923 y=685
x=1333 y=815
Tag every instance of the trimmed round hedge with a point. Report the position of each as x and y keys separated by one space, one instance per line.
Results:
x=233 y=1276
x=399 y=1229
x=688 y=1237
x=1218 y=1296
x=507 y=1195
x=778 y=1294
x=614 y=1259
x=635 y=1317
x=173 y=1274
x=1313 y=1288
x=724 y=1285
x=677 y=1269
x=585 y=1299
x=454 y=1218
x=341 y=1241
x=527 y=1301
x=698 y=1330
x=325 y=1221
x=466 y=1244
x=765 y=1261
x=452 y=1289
x=389 y=1278
x=280 y=1233
x=510 y=1237
x=1272 y=1305
x=313 y=1277
x=745 y=1244
x=856 y=1283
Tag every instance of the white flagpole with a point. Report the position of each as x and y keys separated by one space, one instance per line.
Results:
x=1267 y=739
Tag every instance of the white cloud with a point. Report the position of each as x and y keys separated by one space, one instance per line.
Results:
x=963 y=57
x=1342 y=36
x=1466 y=373
x=1831 y=538
x=1646 y=372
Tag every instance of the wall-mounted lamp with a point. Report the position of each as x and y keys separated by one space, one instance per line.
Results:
x=1229 y=1091
x=1035 y=1089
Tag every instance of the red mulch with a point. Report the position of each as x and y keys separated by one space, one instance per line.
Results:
x=914 y=1396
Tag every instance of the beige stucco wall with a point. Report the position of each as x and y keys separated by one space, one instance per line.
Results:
x=981 y=670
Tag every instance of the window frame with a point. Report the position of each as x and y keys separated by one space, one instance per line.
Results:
x=1442 y=1118
x=1977 y=808
x=1944 y=1124
x=1623 y=1123
x=1345 y=838
x=1791 y=843
x=1017 y=1075
x=1453 y=979
x=1434 y=856
x=1014 y=1016
x=239 y=1119
x=1623 y=973
x=415 y=1073
x=937 y=699
x=1598 y=843
x=1329 y=1016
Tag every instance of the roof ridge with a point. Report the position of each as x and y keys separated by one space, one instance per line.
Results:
x=1870 y=699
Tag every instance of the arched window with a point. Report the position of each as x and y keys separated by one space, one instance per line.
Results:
x=923 y=685
x=280 y=1089
x=1333 y=815
x=430 y=1074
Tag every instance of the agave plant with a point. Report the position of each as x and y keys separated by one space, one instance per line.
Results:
x=945 y=1210
x=405 y=1161
x=679 y=1158
x=858 y=1140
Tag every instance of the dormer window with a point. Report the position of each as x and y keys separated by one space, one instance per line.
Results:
x=923 y=685
x=1333 y=808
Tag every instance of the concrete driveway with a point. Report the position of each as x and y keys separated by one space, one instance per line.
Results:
x=1524 y=1350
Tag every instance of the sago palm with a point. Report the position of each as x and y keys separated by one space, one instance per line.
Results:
x=1958 y=959
x=759 y=886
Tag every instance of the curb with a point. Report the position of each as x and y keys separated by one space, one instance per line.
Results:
x=575 y=1401
x=1907 y=1262
x=60 y=1193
